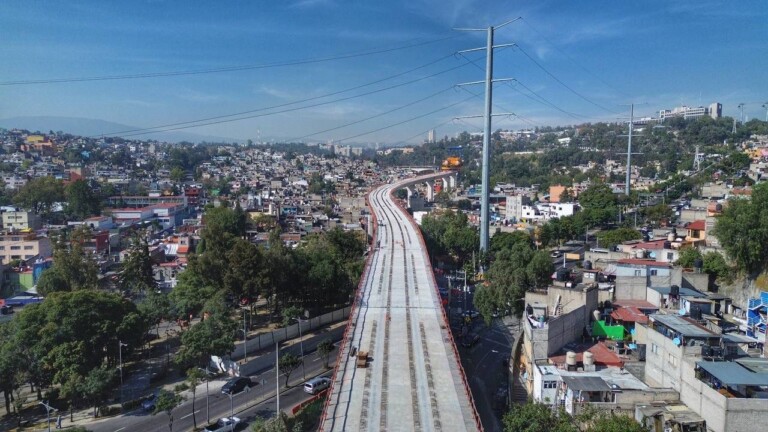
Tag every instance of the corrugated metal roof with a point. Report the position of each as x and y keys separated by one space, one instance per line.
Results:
x=682 y=325
x=588 y=383
x=732 y=373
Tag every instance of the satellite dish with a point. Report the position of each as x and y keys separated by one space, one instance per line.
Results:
x=681 y=311
x=676 y=341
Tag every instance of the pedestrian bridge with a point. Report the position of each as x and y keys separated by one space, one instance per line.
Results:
x=409 y=376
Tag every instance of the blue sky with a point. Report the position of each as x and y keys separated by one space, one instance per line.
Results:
x=586 y=60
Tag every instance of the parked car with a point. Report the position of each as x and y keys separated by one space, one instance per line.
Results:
x=236 y=385
x=317 y=384
x=556 y=254
x=472 y=314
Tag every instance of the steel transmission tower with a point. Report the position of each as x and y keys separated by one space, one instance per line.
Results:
x=486 y=170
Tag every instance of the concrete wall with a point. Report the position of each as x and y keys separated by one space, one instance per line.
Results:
x=699 y=281
x=565 y=329
x=721 y=413
x=705 y=401
x=631 y=287
x=663 y=360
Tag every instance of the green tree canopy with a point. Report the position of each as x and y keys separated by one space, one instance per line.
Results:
x=82 y=201
x=535 y=417
x=136 y=274
x=72 y=269
x=742 y=230
x=609 y=239
x=40 y=194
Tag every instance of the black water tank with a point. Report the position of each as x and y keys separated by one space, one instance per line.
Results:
x=587 y=265
x=695 y=312
x=698 y=263
x=667 y=244
x=529 y=310
x=562 y=274
x=674 y=290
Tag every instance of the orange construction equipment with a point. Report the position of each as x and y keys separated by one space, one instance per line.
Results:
x=451 y=163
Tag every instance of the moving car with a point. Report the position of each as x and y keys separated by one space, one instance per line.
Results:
x=236 y=385
x=317 y=384
x=224 y=424
x=149 y=403
x=556 y=254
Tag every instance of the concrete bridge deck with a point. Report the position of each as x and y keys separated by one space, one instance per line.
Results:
x=413 y=380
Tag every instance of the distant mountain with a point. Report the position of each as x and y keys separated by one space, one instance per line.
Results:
x=94 y=127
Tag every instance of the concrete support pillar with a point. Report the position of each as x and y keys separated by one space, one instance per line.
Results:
x=430 y=191
x=452 y=180
x=410 y=193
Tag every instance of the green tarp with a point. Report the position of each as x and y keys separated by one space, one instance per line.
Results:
x=600 y=329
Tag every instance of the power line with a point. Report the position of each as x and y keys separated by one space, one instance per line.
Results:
x=375 y=116
x=405 y=121
x=565 y=54
x=219 y=70
x=564 y=84
x=243 y=115
x=541 y=99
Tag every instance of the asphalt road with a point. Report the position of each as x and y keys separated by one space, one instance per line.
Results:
x=260 y=400
x=485 y=369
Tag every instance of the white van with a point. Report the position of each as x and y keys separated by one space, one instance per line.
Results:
x=317 y=384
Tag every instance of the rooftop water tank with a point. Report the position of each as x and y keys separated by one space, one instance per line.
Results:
x=596 y=315
x=589 y=358
x=639 y=254
x=570 y=358
x=587 y=265
x=671 y=237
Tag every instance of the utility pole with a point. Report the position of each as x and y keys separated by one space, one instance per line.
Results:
x=629 y=147
x=277 y=377
x=245 y=339
x=486 y=174
x=120 y=346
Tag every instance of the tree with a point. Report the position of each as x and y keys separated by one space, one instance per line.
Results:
x=166 y=402
x=715 y=265
x=287 y=364
x=615 y=423
x=72 y=268
x=536 y=417
x=743 y=230
x=507 y=240
x=247 y=275
x=194 y=377
x=598 y=203
x=177 y=175
x=155 y=308
x=540 y=269
x=97 y=386
x=609 y=239
x=688 y=256
x=40 y=194
x=213 y=336
x=136 y=274
x=81 y=200
x=324 y=349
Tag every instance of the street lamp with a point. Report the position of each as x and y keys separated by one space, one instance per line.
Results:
x=301 y=345
x=120 y=346
x=207 y=401
x=245 y=339
x=48 y=410
x=277 y=377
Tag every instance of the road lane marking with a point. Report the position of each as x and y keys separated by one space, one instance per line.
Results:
x=188 y=415
x=121 y=429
